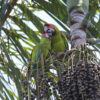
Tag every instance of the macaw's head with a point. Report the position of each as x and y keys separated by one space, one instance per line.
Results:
x=49 y=30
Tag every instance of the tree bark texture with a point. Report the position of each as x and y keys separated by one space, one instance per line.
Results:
x=77 y=12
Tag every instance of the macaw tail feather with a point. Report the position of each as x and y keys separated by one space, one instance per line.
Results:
x=36 y=59
x=34 y=66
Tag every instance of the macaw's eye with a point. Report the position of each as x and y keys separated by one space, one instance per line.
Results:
x=49 y=31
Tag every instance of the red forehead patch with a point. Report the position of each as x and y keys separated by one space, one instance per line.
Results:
x=47 y=24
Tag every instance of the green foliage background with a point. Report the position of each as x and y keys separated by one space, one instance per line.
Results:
x=20 y=43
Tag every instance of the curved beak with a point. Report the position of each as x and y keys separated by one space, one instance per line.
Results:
x=49 y=32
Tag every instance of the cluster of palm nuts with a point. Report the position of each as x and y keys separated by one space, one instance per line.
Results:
x=47 y=87
x=80 y=82
x=25 y=94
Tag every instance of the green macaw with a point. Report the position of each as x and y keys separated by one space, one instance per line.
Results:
x=42 y=48
x=58 y=41
x=52 y=40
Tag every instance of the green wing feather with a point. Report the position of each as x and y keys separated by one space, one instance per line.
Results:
x=43 y=47
x=65 y=40
x=59 y=42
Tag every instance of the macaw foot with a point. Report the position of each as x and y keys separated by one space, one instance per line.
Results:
x=65 y=50
x=54 y=53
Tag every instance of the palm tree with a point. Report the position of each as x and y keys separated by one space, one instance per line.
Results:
x=80 y=21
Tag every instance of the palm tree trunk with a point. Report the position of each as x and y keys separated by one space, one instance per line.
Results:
x=77 y=12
